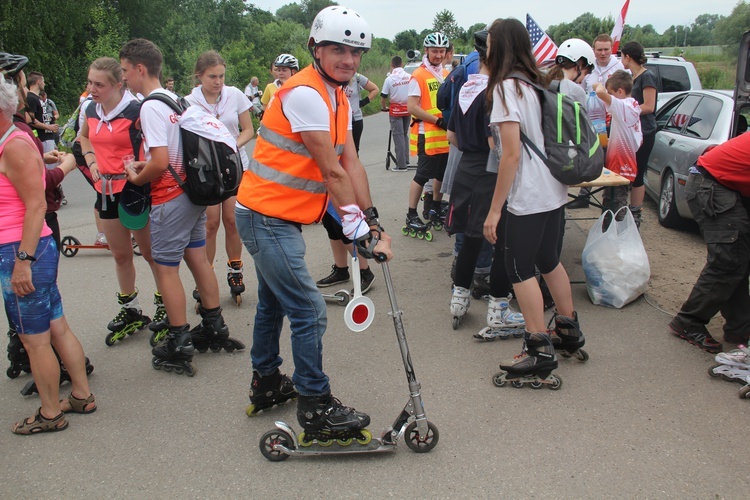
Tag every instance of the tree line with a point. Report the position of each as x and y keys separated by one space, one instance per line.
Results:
x=61 y=38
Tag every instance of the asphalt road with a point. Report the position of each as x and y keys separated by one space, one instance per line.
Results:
x=640 y=419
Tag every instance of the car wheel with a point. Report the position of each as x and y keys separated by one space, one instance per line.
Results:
x=668 y=215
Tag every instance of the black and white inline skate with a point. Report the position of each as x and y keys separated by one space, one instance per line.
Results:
x=30 y=387
x=437 y=215
x=332 y=428
x=160 y=325
x=502 y=321
x=129 y=320
x=175 y=352
x=212 y=333
x=269 y=391
x=733 y=366
x=416 y=228
x=567 y=336
x=235 y=280
x=533 y=366
x=460 y=303
x=17 y=355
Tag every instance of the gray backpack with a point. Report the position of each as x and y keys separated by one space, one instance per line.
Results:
x=572 y=151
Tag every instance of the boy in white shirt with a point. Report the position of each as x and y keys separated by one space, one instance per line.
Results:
x=625 y=134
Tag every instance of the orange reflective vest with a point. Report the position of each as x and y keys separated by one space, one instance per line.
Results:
x=435 y=139
x=283 y=180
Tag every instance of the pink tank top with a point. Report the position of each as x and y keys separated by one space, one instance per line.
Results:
x=12 y=209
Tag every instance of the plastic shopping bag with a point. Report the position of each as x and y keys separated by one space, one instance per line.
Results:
x=615 y=262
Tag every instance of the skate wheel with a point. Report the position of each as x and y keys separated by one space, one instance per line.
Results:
x=456 y=322
x=168 y=368
x=179 y=371
x=155 y=364
x=215 y=348
x=153 y=339
x=89 y=367
x=250 y=411
x=324 y=441
x=498 y=379
x=536 y=385
x=405 y=231
x=582 y=356
x=12 y=372
x=418 y=443
x=365 y=437
x=428 y=236
x=238 y=299
x=303 y=441
x=517 y=384
x=273 y=438
x=564 y=354
x=711 y=372
x=412 y=233
x=345 y=442
x=745 y=392
x=518 y=335
x=556 y=383
x=110 y=339
x=229 y=347
x=438 y=226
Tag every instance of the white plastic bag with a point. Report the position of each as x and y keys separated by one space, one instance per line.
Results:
x=615 y=262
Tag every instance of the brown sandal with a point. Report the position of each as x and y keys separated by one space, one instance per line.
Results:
x=40 y=423
x=80 y=405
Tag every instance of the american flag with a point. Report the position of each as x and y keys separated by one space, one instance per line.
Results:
x=544 y=48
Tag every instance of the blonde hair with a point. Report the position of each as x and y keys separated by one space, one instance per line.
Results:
x=109 y=66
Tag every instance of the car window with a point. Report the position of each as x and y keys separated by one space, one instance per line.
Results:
x=673 y=79
x=666 y=112
x=682 y=114
x=703 y=120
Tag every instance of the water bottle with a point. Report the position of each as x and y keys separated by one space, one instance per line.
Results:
x=598 y=115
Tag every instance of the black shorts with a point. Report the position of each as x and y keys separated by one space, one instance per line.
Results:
x=429 y=166
x=471 y=196
x=334 y=229
x=110 y=211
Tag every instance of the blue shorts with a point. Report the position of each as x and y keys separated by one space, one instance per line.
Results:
x=33 y=313
x=176 y=225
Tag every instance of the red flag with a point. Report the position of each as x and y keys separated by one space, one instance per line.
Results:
x=619 y=25
x=544 y=47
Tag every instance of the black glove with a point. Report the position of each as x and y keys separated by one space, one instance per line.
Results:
x=441 y=123
x=257 y=94
x=364 y=102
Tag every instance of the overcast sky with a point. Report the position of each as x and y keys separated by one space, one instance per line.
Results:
x=388 y=17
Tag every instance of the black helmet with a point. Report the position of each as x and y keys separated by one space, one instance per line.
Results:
x=10 y=64
x=480 y=42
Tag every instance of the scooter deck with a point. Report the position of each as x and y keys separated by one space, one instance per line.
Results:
x=376 y=445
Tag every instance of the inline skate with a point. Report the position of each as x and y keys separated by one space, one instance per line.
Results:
x=235 y=280
x=30 y=387
x=17 y=355
x=502 y=321
x=437 y=215
x=160 y=325
x=745 y=391
x=175 y=352
x=460 y=302
x=416 y=228
x=426 y=204
x=568 y=337
x=324 y=419
x=269 y=391
x=129 y=320
x=197 y=298
x=733 y=366
x=480 y=286
x=212 y=333
x=533 y=366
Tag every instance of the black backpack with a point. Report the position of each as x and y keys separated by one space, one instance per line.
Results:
x=572 y=151
x=451 y=86
x=213 y=169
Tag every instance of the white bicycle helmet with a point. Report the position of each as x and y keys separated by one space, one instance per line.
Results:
x=339 y=24
x=436 y=39
x=574 y=49
x=287 y=61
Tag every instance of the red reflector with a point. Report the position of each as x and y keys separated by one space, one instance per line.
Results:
x=360 y=314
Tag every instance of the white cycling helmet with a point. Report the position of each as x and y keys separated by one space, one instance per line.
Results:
x=339 y=24
x=574 y=49
x=436 y=39
x=287 y=61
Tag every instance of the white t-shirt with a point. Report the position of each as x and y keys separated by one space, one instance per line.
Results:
x=307 y=111
x=625 y=136
x=396 y=88
x=353 y=91
x=161 y=129
x=534 y=190
x=231 y=104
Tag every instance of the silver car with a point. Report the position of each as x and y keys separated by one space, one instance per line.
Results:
x=687 y=126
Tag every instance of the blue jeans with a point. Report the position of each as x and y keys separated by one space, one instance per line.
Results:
x=285 y=288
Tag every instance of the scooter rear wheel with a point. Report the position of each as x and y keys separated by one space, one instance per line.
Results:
x=421 y=444
x=274 y=437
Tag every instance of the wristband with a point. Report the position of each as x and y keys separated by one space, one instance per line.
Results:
x=88 y=153
x=91 y=164
x=371 y=216
x=353 y=222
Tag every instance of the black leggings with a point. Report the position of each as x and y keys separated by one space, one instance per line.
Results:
x=641 y=157
x=357 y=127
x=531 y=240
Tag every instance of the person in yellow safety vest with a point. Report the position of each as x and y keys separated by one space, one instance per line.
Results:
x=304 y=156
x=427 y=138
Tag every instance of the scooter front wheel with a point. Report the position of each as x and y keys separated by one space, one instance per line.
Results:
x=418 y=443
